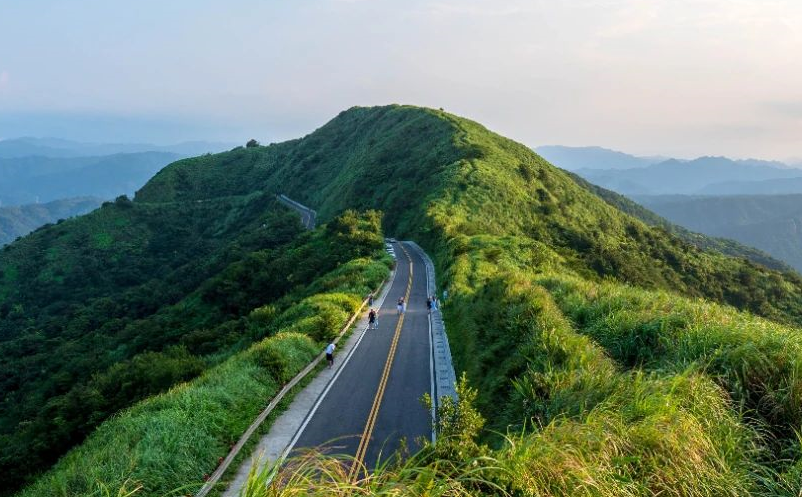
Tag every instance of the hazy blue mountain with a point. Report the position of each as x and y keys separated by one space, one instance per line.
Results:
x=782 y=186
x=28 y=180
x=574 y=158
x=688 y=177
x=21 y=220
x=56 y=147
x=772 y=223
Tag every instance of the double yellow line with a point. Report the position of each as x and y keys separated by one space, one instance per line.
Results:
x=377 y=400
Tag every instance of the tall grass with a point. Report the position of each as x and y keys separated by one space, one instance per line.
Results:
x=421 y=475
x=759 y=362
x=583 y=419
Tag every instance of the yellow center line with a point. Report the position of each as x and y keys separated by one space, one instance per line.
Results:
x=377 y=400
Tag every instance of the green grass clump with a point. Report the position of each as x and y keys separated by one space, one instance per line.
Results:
x=177 y=436
x=757 y=361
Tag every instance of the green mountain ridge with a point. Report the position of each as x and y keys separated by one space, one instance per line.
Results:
x=351 y=163
x=623 y=359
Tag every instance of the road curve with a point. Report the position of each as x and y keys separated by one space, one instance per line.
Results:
x=308 y=216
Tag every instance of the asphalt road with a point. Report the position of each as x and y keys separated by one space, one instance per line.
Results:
x=308 y=216
x=374 y=404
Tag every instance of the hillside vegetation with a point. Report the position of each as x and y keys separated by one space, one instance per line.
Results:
x=106 y=309
x=622 y=359
x=167 y=443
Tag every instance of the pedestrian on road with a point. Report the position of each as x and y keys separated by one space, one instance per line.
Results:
x=400 y=306
x=429 y=304
x=330 y=354
x=373 y=321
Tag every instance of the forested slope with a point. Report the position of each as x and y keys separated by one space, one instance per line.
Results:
x=106 y=309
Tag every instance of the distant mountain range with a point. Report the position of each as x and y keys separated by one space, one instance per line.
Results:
x=46 y=179
x=631 y=175
x=575 y=158
x=56 y=147
x=782 y=186
x=20 y=220
x=772 y=223
x=28 y=180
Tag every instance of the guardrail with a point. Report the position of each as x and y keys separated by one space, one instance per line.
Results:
x=223 y=467
x=445 y=378
x=310 y=213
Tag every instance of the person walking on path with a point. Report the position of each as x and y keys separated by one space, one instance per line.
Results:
x=370 y=300
x=373 y=321
x=330 y=354
x=429 y=304
x=400 y=306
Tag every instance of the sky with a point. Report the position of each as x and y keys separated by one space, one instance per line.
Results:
x=682 y=78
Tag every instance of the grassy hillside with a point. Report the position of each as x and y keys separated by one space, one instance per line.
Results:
x=19 y=221
x=769 y=222
x=623 y=359
x=439 y=178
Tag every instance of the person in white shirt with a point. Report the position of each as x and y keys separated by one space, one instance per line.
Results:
x=330 y=354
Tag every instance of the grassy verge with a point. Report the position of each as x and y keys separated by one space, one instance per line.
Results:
x=247 y=450
x=758 y=362
x=599 y=388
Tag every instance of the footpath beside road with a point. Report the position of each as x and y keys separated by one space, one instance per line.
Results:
x=280 y=439
x=368 y=404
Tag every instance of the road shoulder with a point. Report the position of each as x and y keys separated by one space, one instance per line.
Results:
x=273 y=445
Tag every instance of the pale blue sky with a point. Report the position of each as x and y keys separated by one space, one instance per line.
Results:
x=674 y=77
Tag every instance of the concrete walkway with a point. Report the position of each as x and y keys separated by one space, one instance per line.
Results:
x=282 y=435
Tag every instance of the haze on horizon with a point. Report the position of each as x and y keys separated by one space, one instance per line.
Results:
x=672 y=77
